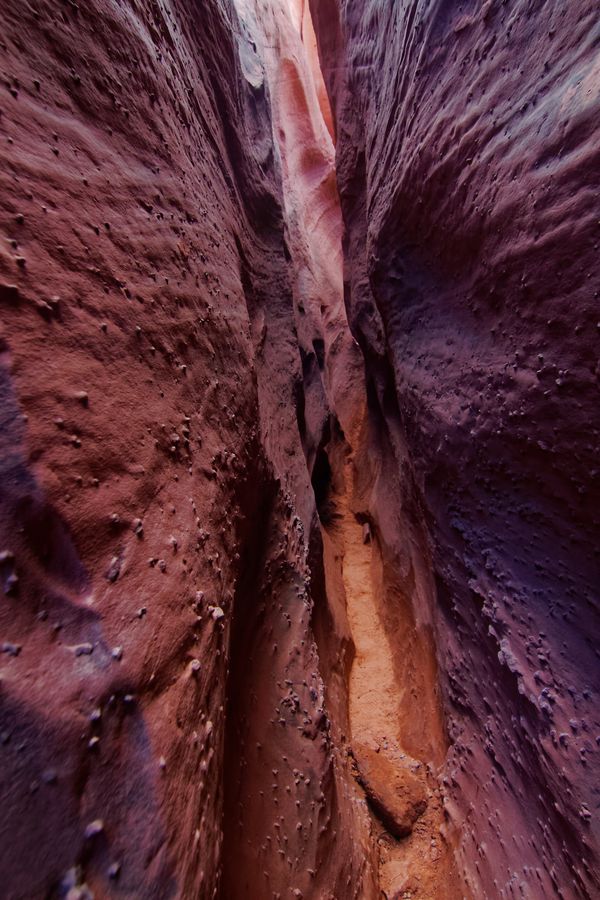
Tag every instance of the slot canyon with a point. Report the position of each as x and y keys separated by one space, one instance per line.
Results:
x=299 y=449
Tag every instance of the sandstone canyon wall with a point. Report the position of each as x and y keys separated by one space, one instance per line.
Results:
x=156 y=502
x=298 y=514
x=467 y=164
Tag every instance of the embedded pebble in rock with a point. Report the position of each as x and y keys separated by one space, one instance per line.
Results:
x=93 y=829
x=83 y=398
x=114 y=569
x=114 y=870
x=195 y=666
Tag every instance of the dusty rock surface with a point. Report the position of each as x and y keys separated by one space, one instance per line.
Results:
x=395 y=725
x=396 y=795
x=467 y=161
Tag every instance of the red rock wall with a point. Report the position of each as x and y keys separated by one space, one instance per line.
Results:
x=155 y=624
x=467 y=164
x=175 y=365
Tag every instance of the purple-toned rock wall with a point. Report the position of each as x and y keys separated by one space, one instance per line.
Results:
x=468 y=162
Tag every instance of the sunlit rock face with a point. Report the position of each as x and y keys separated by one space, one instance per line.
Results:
x=467 y=165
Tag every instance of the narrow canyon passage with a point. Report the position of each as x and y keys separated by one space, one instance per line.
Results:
x=299 y=441
x=373 y=692
x=411 y=851
x=407 y=820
